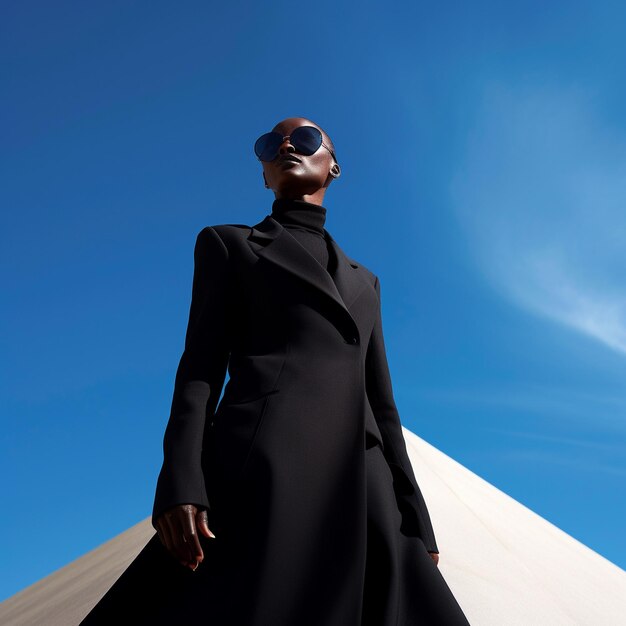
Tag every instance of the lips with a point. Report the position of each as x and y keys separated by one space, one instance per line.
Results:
x=288 y=158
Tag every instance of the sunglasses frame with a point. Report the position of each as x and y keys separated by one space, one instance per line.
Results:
x=289 y=137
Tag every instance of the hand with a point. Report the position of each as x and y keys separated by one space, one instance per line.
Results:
x=435 y=557
x=178 y=531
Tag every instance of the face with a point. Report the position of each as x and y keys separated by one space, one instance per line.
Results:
x=308 y=175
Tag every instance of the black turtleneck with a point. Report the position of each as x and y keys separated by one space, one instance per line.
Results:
x=305 y=221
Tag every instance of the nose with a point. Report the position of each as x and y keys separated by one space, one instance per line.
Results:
x=286 y=146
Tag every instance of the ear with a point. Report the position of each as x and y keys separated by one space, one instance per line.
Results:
x=335 y=170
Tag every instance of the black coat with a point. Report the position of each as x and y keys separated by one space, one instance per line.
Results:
x=279 y=462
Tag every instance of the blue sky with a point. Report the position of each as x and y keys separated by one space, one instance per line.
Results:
x=487 y=140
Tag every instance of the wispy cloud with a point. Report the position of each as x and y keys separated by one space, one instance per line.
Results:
x=542 y=196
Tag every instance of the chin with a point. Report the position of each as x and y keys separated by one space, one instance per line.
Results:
x=299 y=185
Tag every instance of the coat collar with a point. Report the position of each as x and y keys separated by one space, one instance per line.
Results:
x=270 y=240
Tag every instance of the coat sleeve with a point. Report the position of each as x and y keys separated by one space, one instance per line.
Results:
x=380 y=395
x=199 y=379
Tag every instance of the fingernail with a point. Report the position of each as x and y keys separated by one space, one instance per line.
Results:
x=212 y=535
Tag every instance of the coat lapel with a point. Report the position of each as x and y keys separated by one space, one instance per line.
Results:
x=271 y=241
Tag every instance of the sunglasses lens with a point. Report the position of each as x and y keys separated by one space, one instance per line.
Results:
x=306 y=139
x=266 y=146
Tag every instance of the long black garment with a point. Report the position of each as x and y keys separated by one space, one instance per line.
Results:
x=302 y=466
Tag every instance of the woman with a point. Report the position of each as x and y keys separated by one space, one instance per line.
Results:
x=292 y=501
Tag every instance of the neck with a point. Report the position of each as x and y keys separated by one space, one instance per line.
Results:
x=292 y=212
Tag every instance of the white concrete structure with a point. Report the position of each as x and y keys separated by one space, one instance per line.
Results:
x=506 y=565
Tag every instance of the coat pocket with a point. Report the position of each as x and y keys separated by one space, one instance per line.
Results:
x=253 y=376
x=234 y=431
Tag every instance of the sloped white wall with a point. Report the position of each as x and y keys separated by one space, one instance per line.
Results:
x=506 y=565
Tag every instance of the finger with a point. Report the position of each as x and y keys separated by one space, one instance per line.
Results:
x=172 y=532
x=160 y=535
x=179 y=547
x=190 y=533
x=167 y=537
x=158 y=532
x=202 y=522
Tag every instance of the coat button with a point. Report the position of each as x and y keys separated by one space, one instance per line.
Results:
x=352 y=340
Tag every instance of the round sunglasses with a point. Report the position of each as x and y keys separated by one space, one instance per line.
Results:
x=305 y=139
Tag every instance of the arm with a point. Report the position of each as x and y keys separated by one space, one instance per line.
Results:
x=199 y=379
x=380 y=395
